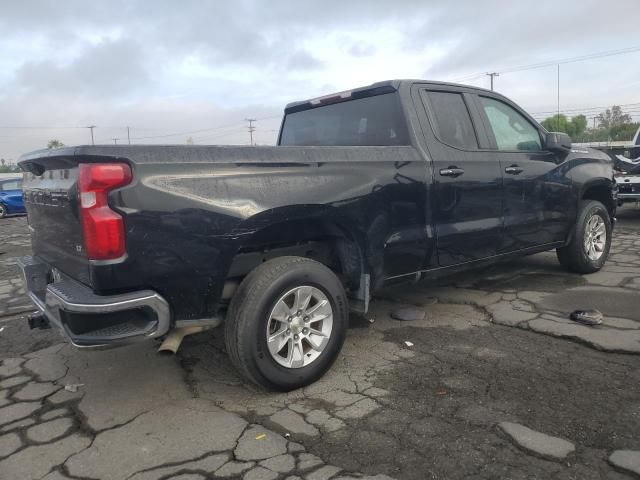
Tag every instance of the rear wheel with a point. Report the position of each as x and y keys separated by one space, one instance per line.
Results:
x=3 y=211
x=286 y=323
x=589 y=247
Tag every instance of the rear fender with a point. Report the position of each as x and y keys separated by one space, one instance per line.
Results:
x=302 y=223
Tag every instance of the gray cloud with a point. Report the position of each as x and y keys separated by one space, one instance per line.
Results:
x=104 y=70
x=303 y=60
x=179 y=66
x=362 y=49
x=501 y=33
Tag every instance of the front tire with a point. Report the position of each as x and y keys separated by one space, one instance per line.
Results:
x=591 y=241
x=3 y=211
x=286 y=323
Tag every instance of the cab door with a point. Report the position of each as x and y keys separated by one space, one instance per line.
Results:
x=538 y=203
x=466 y=199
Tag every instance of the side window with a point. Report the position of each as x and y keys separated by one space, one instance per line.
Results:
x=452 y=120
x=511 y=129
x=11 y=185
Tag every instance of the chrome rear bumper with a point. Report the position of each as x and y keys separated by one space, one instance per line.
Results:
x=90 y=320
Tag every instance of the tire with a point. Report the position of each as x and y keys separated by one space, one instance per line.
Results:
x=251 y=319
x=575 y=257
x=3 y=211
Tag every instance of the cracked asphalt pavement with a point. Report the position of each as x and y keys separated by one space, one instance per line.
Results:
x=495 y=382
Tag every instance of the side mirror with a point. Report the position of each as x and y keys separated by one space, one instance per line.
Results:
x=558 y=142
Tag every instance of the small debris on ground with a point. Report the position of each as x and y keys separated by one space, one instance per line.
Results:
x=587 y=317
x=2 y=329
x=287 y=435
x=262 y=436
x=408 y=343
x=73 y=387
x=442 y=391
x=409 y=314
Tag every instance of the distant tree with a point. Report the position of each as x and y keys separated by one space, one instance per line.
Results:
x=190 y=141
x=595 y=135
x=613 y=125
x=54 y=144
x=574 y=127
x=557 y=123
x=612 y=117
x=579 y=124
x=8 y=167
x=624 y=131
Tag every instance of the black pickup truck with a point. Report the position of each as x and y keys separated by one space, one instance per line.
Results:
x=396 y=181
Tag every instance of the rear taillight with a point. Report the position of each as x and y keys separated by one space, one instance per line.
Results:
x=102 y=228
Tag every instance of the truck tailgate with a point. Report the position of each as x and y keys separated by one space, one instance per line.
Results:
x=51 y=200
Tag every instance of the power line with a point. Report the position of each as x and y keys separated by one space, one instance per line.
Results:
x=178 y=134
x=589 y=115
x=586 y=109
x=22 y=127
x=581 y=58
x=220 y=135
x=550 y=63
x=173 y=134
x=221 y=127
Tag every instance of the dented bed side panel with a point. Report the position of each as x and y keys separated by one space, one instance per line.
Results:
x=186 y=216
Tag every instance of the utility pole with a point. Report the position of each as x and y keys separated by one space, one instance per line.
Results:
x=251 y=128
x=493 y=74
x=91 y=127
x=115 y=141
x=558 y=117
x=128 y=136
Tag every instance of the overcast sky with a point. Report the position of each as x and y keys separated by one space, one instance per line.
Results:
x=167 y=67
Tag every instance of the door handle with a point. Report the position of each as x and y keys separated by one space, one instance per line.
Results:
x=513 y=170
x=452 y=171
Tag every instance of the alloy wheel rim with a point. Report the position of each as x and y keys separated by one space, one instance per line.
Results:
x=299 y=327
x=595 y=238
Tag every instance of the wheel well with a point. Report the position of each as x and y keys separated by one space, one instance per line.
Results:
x=323 y=241
x=601 y=193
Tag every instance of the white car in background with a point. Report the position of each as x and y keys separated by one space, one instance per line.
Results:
x=628 y=179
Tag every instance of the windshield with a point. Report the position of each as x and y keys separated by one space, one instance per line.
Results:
x=10 y=185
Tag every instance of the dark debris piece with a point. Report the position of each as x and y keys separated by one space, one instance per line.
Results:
x=587 y=317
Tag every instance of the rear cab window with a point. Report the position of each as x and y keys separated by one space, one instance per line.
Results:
x=369 y=121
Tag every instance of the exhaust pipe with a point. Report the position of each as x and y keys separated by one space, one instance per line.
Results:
x=171 y=344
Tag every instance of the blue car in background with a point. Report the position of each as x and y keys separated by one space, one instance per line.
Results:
x=11 y=197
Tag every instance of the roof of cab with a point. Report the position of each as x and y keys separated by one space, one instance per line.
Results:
x=385 y=86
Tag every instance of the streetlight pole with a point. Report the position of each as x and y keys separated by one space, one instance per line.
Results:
x=558 y=117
